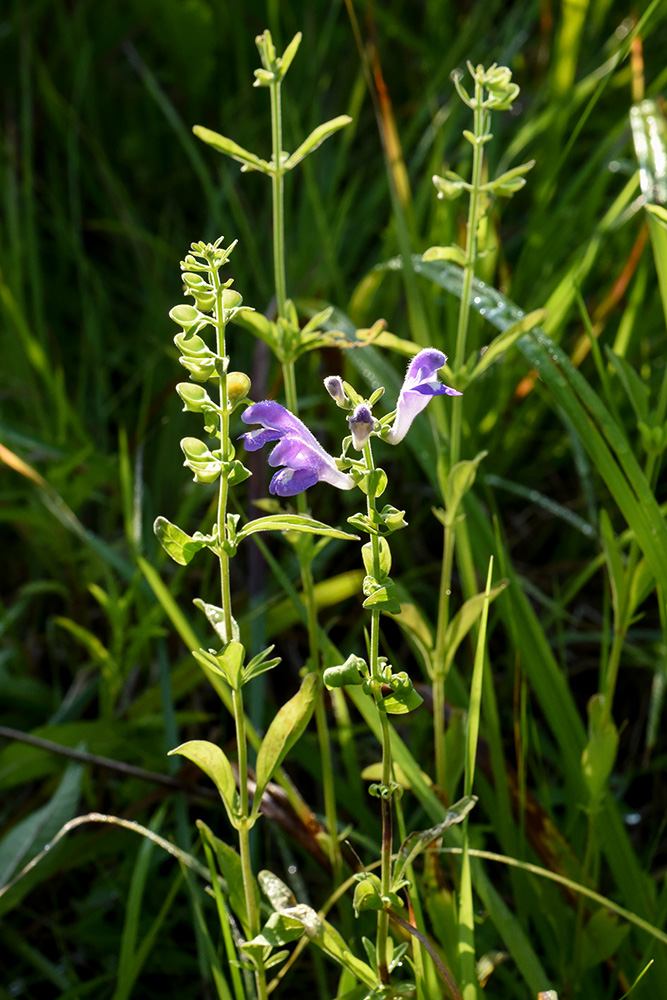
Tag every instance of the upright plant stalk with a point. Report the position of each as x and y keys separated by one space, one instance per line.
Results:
x=480 y=124
x=305 y=547
x=244 y=824
x=385 y=790
x=278 y=199
x=223 y=487
x=493 y=90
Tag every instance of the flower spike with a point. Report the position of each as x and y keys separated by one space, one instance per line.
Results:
x=305 y=460
x=419 y=385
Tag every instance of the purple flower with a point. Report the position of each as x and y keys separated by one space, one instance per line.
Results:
x=361 y=425
x=334 y=386
x=305 y=460
x=419 y=385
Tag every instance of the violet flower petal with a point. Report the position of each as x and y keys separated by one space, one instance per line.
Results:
x=305 y=459
x=419 y=385
x=289 y=482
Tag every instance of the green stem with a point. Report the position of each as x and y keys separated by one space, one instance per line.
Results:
x=277 y=188
x=244 y=836
x=480 y=125
x=385 y=742
x=223 y=490
x=304 y=553
x=226 y=604
x=438 y=663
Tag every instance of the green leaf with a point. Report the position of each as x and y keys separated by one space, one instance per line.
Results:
x=30 y=835
x=231 y=869
x=293 y=522
x=352 y=672
x=315 y=139
x=463 y=621
x=373 y=483
x=285 y=730
x=257 y=324
x=280 y=929
x=635 y=388
x=599 y=756
x=602 y=936
x=285 y=60
x=615 y=567
x=260 y=664
x=381 y=596
x=452 y=252
x=505 y=340
x=510 y=182
x=402 y=701
x=176 y=542
x=237 y=472
x=385 y=557
x=459 y=480
x=228 y=663
x=231 y=148
x=216 y=617
x=450 y=187
x=213 y=762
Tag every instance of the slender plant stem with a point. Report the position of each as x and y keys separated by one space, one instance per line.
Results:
x=304 y=554
x=226 y=604
x=480 y=120
x=278 y=186
x=223 y=489
x=244 y=837
x=385 y=741
x=439 y=658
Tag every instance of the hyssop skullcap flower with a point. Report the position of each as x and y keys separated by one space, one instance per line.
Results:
x=419 y=385
x=305 y=460
x=361 y=425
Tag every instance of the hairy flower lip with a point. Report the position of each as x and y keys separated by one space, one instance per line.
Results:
x=305 y=460
x=419 y=385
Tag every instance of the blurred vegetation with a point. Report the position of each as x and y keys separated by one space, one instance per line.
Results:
x=104 y=187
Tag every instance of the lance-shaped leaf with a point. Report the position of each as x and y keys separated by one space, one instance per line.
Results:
x=229 y=863
x=419 y=840
x=452 y=252
x=320 y=931
x=459 y=480
x=315 y=139
x=286 y=58
x=599 y=755
x=510 y=182
x=284 y=731
x=176 y=542
x=505 y=340
x=293 y=522
x=260 y=326
x=231 y=148
x=228 y=663
x=216 y=617
x=213 y=762
x=461 y=623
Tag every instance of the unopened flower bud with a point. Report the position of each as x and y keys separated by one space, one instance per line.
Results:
x=361 y=425
x=334 y=386
x=238 y=386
